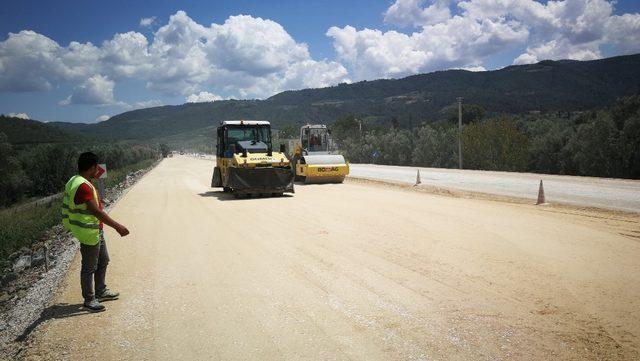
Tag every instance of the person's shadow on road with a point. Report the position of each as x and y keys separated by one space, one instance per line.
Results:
x=61 y=310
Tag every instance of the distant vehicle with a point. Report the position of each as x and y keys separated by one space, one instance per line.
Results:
x=246 y=163
x=181 y=152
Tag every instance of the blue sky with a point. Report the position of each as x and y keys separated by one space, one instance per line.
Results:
x=86 y=61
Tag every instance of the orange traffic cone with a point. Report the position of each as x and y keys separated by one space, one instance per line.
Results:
x=541 y=199
x=417 y=178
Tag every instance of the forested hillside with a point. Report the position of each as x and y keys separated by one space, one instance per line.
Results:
x=548 y=86
x=26 y=131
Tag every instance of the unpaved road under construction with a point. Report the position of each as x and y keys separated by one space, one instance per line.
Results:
x=355 y=271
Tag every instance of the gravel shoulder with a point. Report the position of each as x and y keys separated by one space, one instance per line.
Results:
x=359 y=270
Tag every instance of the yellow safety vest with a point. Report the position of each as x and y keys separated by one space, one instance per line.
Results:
x=76 y=218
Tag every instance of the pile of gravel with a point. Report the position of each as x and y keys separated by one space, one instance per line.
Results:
x=31 y=276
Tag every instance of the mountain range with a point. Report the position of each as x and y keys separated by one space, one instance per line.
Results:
x=547 y=86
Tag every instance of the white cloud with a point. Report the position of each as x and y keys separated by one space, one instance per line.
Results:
x=147 y=22
x=459 y=42
x=147 y=104
x=558 y=49
x=412 y=12
x=473 y=68
x=574 y=29
x=97 y=90
x=138 y=105
x=102 y=118
x=202 y=97
x=242 y=57
x=254 y=46
x=29 y=62
x=126 y=56
x=19 y=115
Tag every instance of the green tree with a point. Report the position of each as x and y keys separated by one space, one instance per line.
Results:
x=14 y=181
x=49 y=167
x=494 y=145
x=596 y=147
x=630 y=147
x=624 y=109
x=346 y=127
x=396 y=147
x=470 y=113
x=164 y=149
x=289 y=131
x=435 y=146
x=626 y=116
x=548 y=139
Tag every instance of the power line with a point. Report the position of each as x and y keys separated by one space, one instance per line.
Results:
x=460 y=132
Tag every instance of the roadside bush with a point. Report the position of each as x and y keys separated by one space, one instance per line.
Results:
x=21 y=226
x=494 y=145
x=13 y=180
x=48 y=167
x=43 y=169
x=436 y=147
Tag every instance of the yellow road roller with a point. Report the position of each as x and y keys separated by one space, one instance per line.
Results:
x=246 y=164
x=314 y=160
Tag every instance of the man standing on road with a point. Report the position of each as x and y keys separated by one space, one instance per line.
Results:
x=83 y=216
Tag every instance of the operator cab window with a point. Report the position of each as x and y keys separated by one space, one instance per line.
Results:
x=257 y=133
x=305 y=138
x=318 y=140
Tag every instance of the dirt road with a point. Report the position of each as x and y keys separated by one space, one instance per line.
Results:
x=352 y=271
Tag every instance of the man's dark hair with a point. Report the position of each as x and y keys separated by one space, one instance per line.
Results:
x=86 y=161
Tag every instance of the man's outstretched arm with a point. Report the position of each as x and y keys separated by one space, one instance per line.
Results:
x=95 y=210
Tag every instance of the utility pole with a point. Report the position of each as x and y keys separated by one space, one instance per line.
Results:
x=460 y=132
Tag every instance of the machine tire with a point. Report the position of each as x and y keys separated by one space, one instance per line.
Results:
x=216 y=181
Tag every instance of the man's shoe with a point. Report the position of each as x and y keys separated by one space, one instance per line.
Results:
x=94 y=306
x=107 y=295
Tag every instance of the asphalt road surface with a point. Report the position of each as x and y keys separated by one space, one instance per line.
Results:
x=616 y=194
x=352 y=271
